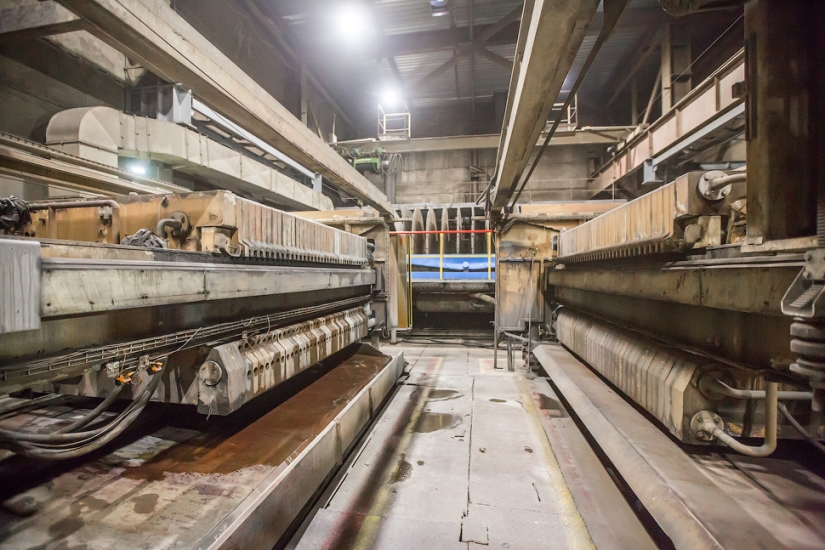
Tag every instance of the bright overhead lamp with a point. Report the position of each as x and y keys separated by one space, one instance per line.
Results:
x=352 y=21
x=440 y=7
x=390 y=97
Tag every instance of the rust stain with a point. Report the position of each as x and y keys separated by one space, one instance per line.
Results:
x=403 y=471
x=145 y=504
x=496 y=400
x=241 y=440
x=552 y=406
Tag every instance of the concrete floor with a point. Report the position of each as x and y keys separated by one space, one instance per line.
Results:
x=462 y=458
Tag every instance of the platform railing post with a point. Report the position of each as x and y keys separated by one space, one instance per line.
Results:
x=489 y=256
x=441 y=256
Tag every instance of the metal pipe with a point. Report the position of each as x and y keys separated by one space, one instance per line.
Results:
x=719 y=387
x=52 y=207
x=73 y=204
x=489 y=256
x=515 y=337
x=483 y=298
x=718 y=183
x=441 y=256
x=769 y=446
x=160 y=230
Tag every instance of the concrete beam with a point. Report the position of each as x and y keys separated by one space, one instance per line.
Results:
x=584 y=136
x=37 y=20
x=161 y=40
x=549 y=39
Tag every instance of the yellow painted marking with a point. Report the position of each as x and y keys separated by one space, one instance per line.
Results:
x=369 y=528
x=575 y=530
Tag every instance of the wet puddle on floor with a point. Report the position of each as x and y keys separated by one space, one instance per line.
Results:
x=431 y=422
x=552 y=406
x=443 y=395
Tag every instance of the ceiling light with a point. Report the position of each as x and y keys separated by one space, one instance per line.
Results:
x=390 y=98
x=137 y=169
x=352 y=21
x=440 y=7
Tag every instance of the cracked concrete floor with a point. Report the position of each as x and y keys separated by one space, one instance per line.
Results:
x=458 y=459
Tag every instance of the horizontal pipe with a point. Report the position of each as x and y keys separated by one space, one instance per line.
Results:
x=450 y=231
x=484 y=298
x=73 y=204
x=717 y=183
x=515 y=337
x=719 y=387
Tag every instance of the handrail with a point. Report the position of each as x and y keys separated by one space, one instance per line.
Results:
x=441 y=233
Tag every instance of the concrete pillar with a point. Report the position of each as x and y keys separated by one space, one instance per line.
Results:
x=784 y=117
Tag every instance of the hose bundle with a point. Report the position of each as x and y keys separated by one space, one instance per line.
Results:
x=68 y=442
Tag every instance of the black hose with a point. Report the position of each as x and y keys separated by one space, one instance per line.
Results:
x=87 y=419
x=70 y=445
x=798 y=427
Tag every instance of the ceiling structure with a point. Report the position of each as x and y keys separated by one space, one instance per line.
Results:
x=368 y=50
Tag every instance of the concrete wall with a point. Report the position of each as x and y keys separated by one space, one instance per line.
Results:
x=445 y=176
x=28 y=100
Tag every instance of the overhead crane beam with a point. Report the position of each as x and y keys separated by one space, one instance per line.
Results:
x=551 y=34
x=162 y=41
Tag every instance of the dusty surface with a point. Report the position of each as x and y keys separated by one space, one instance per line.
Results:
x=458 y=460
x=170 y=487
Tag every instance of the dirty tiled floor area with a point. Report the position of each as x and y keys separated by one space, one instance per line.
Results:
x=458 y=459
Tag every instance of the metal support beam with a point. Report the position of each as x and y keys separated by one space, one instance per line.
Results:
x=465 y=49
x=495 y=58
x=667 y=70
x=163 y=42
x=548 y=41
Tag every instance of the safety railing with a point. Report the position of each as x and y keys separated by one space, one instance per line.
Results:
x=489 y=257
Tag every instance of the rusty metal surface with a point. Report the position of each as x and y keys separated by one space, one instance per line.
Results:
x=521 y=248
x=654 y=223
x=756 y=287
x=643 y=225
x=232 y=482
x=221 y=223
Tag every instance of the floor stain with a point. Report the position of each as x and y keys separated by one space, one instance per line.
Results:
x=496 y=400
x=443 y=395
x=420 y=462
x=553 y=407
x=403 y=471
x=65 y=527
x=431 y=422
x=145 y=504
x=528 y=449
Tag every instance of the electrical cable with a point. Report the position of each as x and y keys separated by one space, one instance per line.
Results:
x=799 y=428
x=70 y=445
